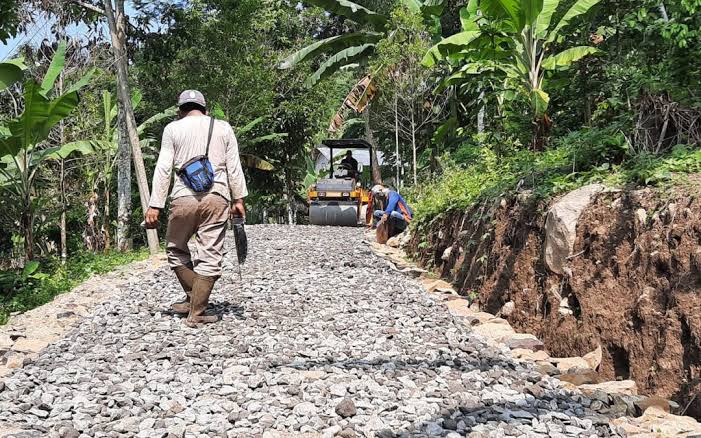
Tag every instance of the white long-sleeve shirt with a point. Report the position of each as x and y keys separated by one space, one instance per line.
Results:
x=185 y=139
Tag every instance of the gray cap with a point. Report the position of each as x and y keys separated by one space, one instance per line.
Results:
x=192 y=96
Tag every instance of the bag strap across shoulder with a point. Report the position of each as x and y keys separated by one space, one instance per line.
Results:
x=209 y=137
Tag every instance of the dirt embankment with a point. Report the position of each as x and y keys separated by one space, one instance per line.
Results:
x=634 y=287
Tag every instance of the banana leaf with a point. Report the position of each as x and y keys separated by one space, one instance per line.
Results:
x=510 y=10
x=546 y=14
x=344 y=57
x=55 y=68
x=11 y=72
x=334 y=44
x=579 y=8
x=451 y=45
x=353 y=11
x=253 y=162
x=567 y=57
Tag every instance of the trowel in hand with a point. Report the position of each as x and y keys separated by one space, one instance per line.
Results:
x=240 y=240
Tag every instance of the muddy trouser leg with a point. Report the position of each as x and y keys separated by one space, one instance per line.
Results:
x=213 y=216
x=397 y=223
x=377 y=215
x=182 y=223
x=213 y=212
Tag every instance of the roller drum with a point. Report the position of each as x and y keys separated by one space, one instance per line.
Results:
x=333 y=214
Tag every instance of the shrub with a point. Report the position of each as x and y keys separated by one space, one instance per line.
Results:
x=579 y=158
x=39 y=282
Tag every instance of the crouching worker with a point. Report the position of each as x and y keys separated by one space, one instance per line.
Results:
x=209 y=187
x=396 y=213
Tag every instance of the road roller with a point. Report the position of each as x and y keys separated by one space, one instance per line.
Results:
x=341 y=197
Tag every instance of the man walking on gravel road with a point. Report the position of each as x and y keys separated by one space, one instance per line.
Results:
x=209 y=188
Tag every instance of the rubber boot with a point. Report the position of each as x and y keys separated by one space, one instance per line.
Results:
x=186 y=276
x=199 y=298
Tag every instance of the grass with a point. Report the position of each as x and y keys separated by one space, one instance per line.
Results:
x=25 y=291
x=573 y=162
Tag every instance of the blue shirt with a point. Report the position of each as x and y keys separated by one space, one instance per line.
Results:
x=394 y=199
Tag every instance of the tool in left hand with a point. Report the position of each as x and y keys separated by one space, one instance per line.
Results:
x=240 y=241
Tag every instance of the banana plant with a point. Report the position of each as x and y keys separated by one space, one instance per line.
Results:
x=245 y=140
x=11 y=72
x=515 y=39
x=352 y=49
x=22 y=140
x=106 y=144
x=105 y=148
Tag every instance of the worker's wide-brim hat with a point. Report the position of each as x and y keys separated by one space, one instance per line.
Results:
x=377 y=188
x=192 y=96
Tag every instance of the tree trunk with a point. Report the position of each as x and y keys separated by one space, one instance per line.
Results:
x=413 y=141
x=64 y=243
x=480 y=114
x=117 y=27
x=396 y=140
x=123 y=186
x=62 y=182
x=90 y=237
x=290 y=210
x=28 y=231
x=376 y=173
x=27 y=218
x=663 y=11
x=541 y=129
x=106 y=220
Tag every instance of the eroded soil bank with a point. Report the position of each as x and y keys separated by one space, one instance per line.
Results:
x=634 y=288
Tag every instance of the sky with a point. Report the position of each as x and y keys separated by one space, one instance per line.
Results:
x=42 y=29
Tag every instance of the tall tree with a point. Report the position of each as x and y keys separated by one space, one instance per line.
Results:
x=409 y=104
x=9 y=19
x=117 y=24
x=123 y=183
x=353 y=49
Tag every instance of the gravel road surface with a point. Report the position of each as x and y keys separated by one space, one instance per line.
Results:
x=321 y=339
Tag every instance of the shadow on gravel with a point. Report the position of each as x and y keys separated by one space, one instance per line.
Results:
x=402 y=365
x=226 y=308
x=483 y=420
x=221 y=309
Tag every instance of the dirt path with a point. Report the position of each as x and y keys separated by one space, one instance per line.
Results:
x=322 y=339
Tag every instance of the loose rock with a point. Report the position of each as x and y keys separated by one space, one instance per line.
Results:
x=346 y=408
x=320 y=338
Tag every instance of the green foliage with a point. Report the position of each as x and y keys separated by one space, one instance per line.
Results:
x=39 y=282
x=21 y=145
x=9 y=19
x=346 y=50
x=511 y=39
x=648 y=169
x=352 y=49
x=580 y=158
x=311 y=175
x=11 y=72
x=106 y=144
x=334 y=43
x=338 y=60
x=10 y=280
x=353 y=11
